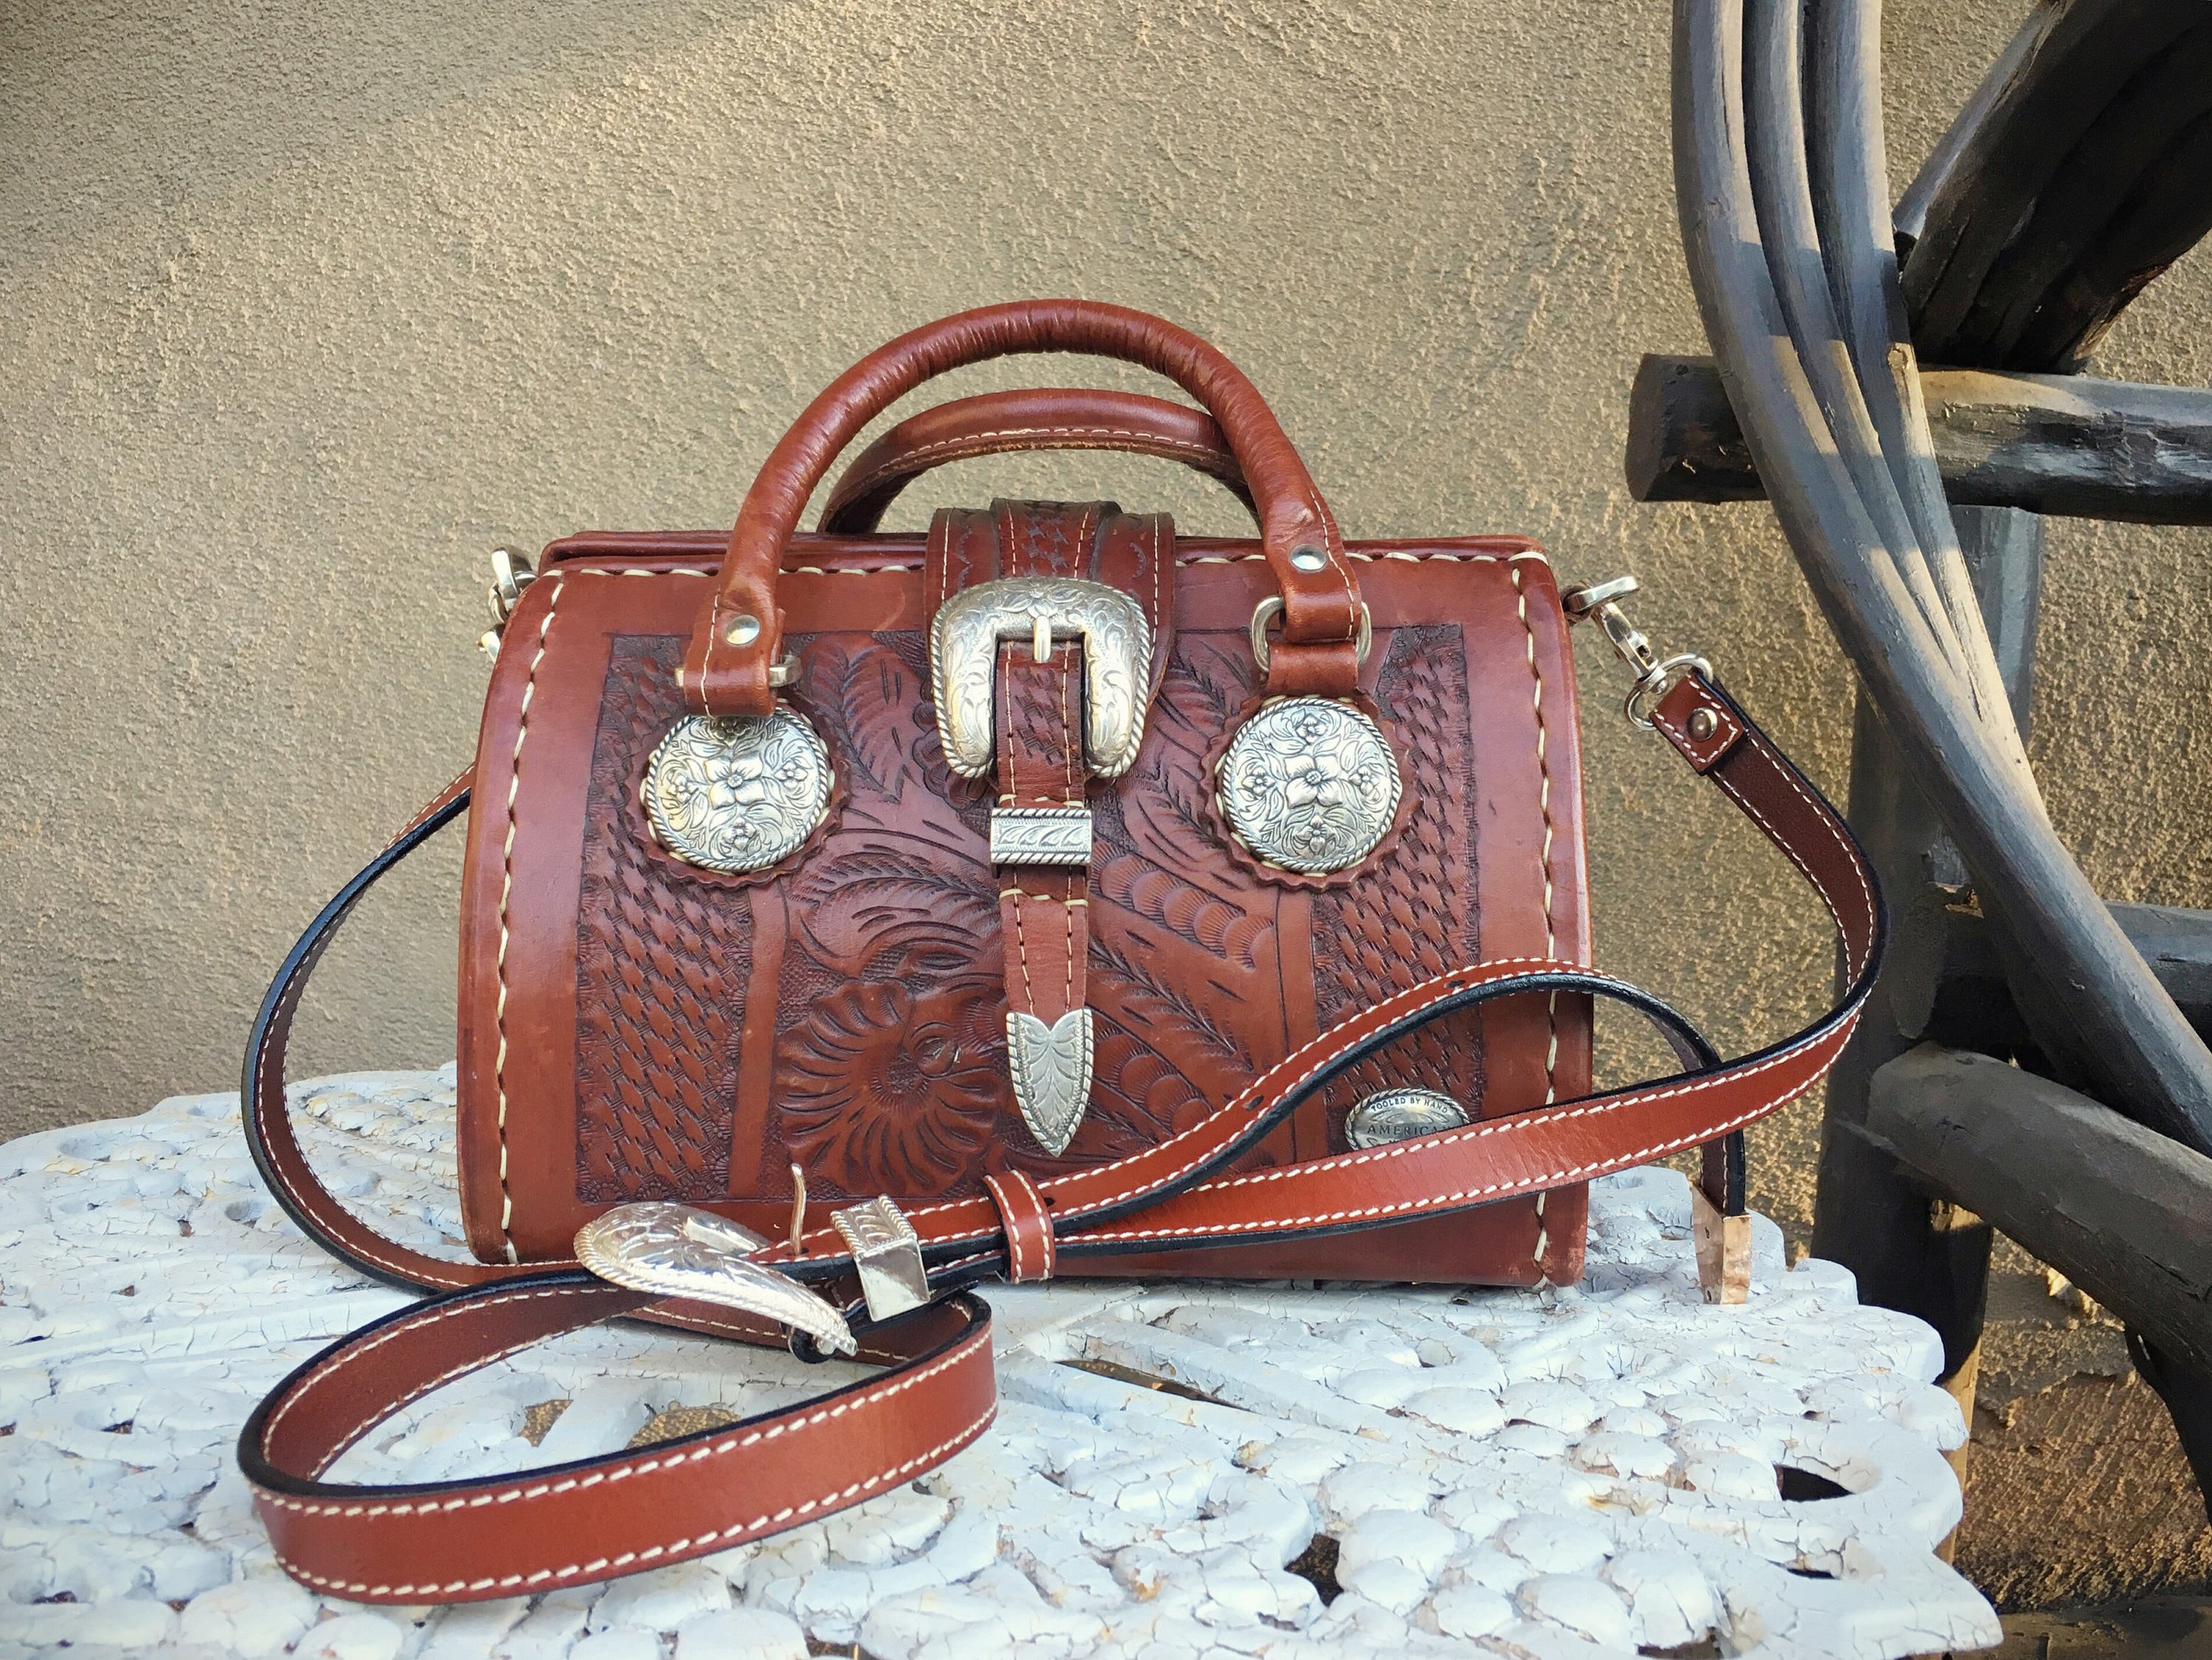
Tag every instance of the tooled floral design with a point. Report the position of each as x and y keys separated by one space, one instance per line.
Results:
x=891 y=1088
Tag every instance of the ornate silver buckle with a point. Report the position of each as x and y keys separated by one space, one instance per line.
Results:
x=1308 y=784
x=1117 y=659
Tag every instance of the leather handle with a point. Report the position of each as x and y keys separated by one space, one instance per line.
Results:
x=738 y=638
x=1040 y=418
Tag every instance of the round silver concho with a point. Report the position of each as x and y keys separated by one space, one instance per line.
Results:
x=739 y=792
x=1400 y=1115
x=1309 y=784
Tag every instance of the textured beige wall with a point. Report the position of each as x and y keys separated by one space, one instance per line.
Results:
x=303 y=307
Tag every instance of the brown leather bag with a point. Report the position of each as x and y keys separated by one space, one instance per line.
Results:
x=1097 y=897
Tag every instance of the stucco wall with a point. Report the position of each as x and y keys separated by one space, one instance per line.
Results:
x=304 y=307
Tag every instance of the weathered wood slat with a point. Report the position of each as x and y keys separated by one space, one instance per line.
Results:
x=2124 y=1213
x=2083 y=169
x=2101 y=1018
x=1866 y=1215
x=2176 y=943
x=2053 y=444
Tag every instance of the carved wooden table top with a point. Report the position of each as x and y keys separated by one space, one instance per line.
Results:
x=1182 y=1470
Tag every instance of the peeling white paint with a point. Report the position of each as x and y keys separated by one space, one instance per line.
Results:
x=1538 y=1473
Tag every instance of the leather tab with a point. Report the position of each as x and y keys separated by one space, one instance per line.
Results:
x=1326 y=671
x=1697 y=721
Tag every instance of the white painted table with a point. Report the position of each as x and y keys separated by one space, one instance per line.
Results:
x=1540 y=1473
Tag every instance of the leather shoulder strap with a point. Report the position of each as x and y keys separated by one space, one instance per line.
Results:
x=603 y=1517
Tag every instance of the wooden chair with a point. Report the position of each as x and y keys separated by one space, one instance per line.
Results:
x=2032 y=1059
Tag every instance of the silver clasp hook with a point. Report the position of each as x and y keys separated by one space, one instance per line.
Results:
x=1655 y=675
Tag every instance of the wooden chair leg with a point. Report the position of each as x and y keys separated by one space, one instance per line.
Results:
x=1919 y=1255
x=2187 y=1392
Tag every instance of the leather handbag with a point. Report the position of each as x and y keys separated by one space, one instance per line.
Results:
x=849 y=918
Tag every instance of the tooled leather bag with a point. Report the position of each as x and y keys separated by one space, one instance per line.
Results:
x=850 y=917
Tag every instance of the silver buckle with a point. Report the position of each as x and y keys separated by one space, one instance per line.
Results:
x=1117 y=660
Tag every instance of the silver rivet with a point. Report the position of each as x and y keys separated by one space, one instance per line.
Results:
x=742 y=629
x=1309 y=559
x=1703 y=724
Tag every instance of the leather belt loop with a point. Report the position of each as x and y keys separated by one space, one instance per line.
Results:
x=1032 y=1253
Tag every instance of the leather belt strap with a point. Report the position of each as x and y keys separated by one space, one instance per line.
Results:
x=570 y=1524
x=1044 y=909
x=600 y=1516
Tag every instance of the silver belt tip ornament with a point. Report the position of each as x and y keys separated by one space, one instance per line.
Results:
x=739 y=792
x=1117 y=661
x=1309 y=784
x=1051 y=1067
x=676 y=1250
x=1401 y=1114
x=887 y=1253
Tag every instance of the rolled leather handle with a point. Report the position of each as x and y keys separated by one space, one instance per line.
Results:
x=739 y=636
x=1040 y=418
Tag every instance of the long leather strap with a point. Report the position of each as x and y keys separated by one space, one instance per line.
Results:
x=575 y=1522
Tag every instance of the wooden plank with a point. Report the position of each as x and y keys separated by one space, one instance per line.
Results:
x=2060 y=445
x=2124 y=1213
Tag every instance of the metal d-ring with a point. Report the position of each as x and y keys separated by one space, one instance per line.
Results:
x=1656 y=682
x=1272 y=607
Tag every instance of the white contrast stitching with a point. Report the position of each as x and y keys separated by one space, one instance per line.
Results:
x=1496 y=1189
x=1544 y=855
x=1327 y=1047
x=1402 y=555
x=1051 y=1244
x=543 y=1578
x=1006 y=1222
x=338 y=1364
x=623 y=1469
x=432 y=805
x=506 y=893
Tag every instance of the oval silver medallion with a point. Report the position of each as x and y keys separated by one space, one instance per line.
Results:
x=1400 y=1115
x=676 y=1250
x=1309 y=784
x=738 y=794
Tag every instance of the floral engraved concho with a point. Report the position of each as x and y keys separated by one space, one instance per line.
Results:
x=738 y=794
x=1309 y=784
